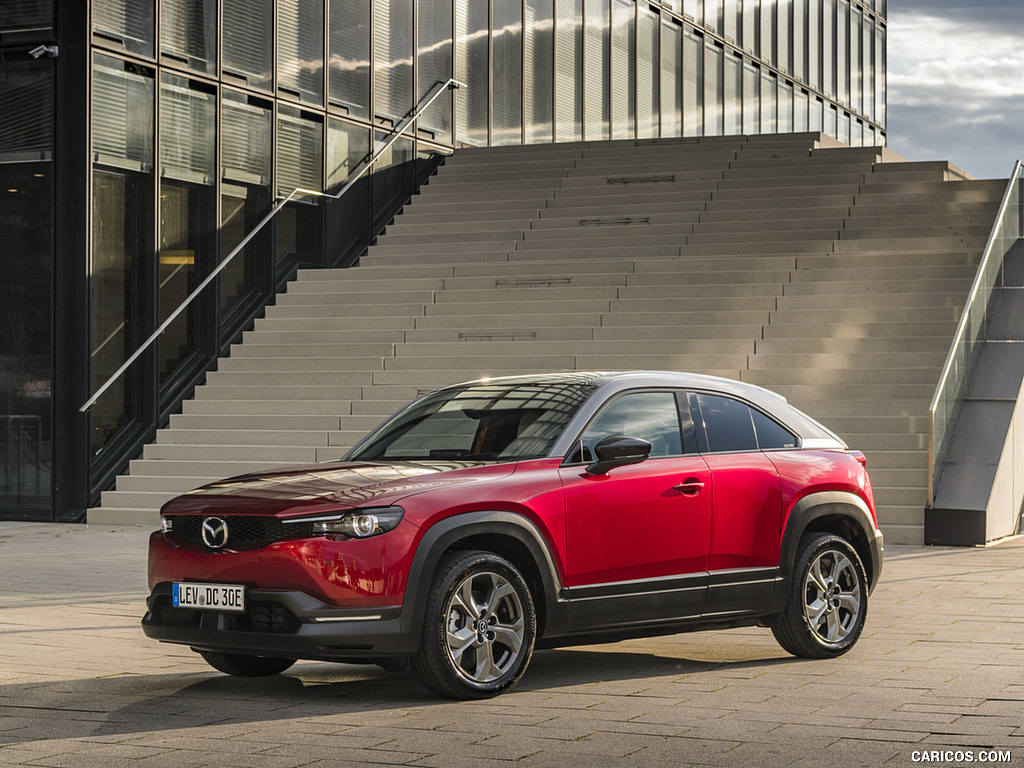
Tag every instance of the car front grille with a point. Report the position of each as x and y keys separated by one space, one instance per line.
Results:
x=245 y=532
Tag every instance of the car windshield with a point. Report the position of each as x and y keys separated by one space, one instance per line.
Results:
x=483 y=421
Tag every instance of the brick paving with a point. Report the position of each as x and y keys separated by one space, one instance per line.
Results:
x=940 y=668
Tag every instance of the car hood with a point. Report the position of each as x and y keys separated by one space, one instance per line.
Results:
x=329 y=486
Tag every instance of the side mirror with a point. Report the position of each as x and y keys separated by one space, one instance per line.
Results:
x=618 y=451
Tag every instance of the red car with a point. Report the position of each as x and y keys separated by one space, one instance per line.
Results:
x=491 y=518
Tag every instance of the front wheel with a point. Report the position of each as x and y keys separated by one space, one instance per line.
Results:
x=828 y=599
x=240 y=665
x=479 y=627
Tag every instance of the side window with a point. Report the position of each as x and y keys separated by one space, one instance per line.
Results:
x=651 y=416
x=727 y=423
x=771 y=436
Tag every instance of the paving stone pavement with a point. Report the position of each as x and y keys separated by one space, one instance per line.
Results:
x=939 y=671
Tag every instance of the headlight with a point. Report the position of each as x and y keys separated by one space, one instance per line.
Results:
x=166 y=524
x=357 y=524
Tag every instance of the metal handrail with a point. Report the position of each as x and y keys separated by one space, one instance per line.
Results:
x=961 y=330
x=450 y=84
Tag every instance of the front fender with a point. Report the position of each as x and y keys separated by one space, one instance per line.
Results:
x=446 y=534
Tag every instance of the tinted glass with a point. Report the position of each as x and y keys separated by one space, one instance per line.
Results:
x=480 y=422
x=771 y=436
x=728 y=424
x=651 y=416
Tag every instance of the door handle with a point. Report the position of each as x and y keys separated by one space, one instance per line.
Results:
x=691 y=486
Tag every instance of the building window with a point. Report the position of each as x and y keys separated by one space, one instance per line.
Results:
x=188 y=225
x=434 y=66
x=568 y=70
x=122 y=240
x=733 y=105
x=539 y=70
x=714 y=99
x=471 y=68
x=596 y=51
x=671 y=78
x=648 y=87
x=623 y=69
x=392 y=57
x=26 y=288
x=248 y=42
x=349 y=75
x=693 y=83
x=128 y=24
x=188 y=33
x=751 y=98
x=300 y=50
x=507 y=76
x=246 y=151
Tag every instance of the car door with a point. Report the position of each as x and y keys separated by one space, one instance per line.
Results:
x=637 y=537
x=746 y=524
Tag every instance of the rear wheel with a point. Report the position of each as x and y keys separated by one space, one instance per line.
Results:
x=828 y=599
x=478 y=629
x=240 y=665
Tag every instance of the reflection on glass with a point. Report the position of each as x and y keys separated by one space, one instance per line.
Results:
x=187 y=208
x=785 y=124
x=392 y=54
x=499 y=421
x=245 y=194
x=650 y=416
x=623 y=69
x=538 y=54
x=300 y=163
x=648 y=86
x=693 y=83
x=300 y=49
x=733 y=95
x=671 y=78
x=568 y=70
x=347 y=219
x=769 y=117
x=122 y=230
x=188 y=33
x=471 y=58
x=714 y=117
x=127 y=22
x=349 y=73
x=32 y=19
x=434 y=66
x=248 y=41
x=507 y=91
x=751 y=99
x=596 y=51
x=26 y=288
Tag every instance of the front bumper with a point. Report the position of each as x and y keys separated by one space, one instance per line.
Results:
x=291 y=625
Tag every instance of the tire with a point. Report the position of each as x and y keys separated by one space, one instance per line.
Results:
x=240 y=665
x=828 y=599
x=478 y=628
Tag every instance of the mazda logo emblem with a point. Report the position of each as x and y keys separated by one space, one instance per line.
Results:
x=215 y=532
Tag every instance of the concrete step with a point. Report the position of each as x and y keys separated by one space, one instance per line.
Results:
x=203 y=452
x=242 y=437
x=189 y=470
x=254 y=421
x=286 y=407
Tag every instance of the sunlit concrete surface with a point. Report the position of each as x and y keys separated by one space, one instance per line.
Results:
x=940 y=668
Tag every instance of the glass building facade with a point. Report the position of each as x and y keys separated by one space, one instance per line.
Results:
x=141 y=141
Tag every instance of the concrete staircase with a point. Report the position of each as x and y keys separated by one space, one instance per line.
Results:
x=817 y=270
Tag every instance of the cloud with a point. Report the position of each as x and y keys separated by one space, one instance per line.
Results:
x=956 y=82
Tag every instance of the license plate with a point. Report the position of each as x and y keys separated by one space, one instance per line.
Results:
x=208 y=597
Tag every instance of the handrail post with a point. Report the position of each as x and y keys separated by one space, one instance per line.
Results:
x=450 y=84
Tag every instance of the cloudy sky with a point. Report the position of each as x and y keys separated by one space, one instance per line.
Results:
x=956 y=82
